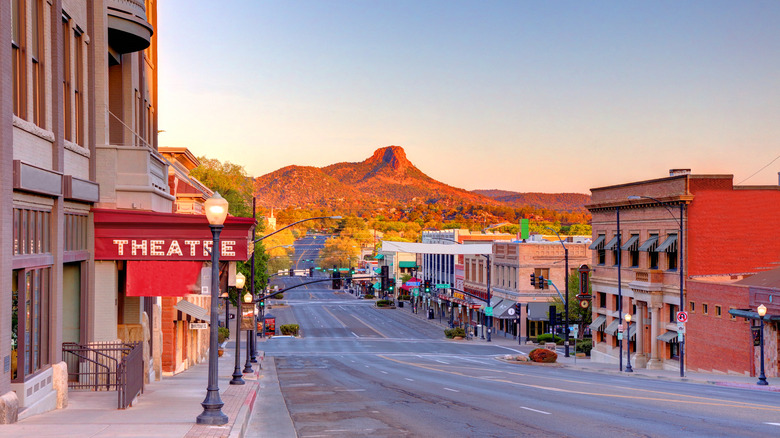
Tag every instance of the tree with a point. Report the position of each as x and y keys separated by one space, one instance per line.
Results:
x=230 y=180
x=340 y=251
x=582 y=316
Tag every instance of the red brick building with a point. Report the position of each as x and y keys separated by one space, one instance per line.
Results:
x=728 y=231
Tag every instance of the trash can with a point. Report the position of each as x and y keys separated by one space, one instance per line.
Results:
x=479 y=331
x=430 y=313
x=400 y=303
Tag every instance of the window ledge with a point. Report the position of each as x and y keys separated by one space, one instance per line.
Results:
x=76 y=148
x=33 y=129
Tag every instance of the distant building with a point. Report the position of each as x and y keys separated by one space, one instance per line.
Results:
x=729 y=231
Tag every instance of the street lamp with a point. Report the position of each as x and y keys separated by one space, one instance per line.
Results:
x=226 y=297
x=238 y=377
x=248 y=363
x=679 y=266
x=628 y=344
x=565 y=303
x=216 y=212
x=761 y=313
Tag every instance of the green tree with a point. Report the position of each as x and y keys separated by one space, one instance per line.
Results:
x=230 y=180
x=581 y=316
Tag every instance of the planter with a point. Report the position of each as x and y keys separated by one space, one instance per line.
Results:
x=220 y=352
x=457 y=338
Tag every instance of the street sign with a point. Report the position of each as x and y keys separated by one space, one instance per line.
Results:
x=413 y=283
x=620 y=336
x=680 y=327
x=682 y=317
x=574 y=331
x=442 y=286
x=620 y=327
x=416 y=293
x=680 y=336
x=488 y=311
x=510 y=311
x=199 y=325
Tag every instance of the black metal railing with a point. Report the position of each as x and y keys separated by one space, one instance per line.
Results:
x=106 y=366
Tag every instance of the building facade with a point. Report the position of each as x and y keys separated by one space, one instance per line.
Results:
x=726 y=231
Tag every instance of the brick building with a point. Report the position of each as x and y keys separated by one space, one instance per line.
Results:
x=728 y=231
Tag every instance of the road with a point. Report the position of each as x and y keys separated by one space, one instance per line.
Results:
x=359 y=371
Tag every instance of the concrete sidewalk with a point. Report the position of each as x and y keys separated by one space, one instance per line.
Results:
x=584 y=364
x=167 y=408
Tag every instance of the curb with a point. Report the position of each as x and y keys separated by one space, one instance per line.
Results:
x=244 y=413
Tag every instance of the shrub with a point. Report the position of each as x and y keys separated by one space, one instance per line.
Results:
x=222 y=334
x=278 y=296
x=548 y=337
x=584 y=346
x=453 y=332
x=383 y=303
x=543 y=355
x=368 y=296
x=403 y=297
x=289 y=329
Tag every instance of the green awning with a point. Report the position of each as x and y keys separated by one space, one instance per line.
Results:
x=411 y=265
x=379 y=257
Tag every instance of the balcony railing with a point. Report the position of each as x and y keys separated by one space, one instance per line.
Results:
x=651 y=276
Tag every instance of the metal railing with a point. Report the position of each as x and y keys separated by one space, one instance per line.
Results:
x=106 y=366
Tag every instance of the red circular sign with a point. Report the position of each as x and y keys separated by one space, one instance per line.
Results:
x=682 y=316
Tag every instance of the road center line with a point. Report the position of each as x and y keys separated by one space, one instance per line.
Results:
x=773 y=424
x=450 y=389
x=534 y=410
x=441 y=361
x=411 y=380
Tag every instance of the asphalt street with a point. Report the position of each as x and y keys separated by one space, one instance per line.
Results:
x=358 y=371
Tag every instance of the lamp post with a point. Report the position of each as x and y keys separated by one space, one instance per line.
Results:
x=679 y=266
x=620 y=287
x=628 y=344
x=225 y=296
x=238 y=377
x=216 y=212
x=761 y=312
x=248 y=363
x=565 y=303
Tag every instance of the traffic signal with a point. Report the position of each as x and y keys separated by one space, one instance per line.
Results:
x=291 y=272
x=384 y=274
x=533 y=281
x=552 y=312
x=391 y=285
x=542 y=283
x=336 y=281
x=311 y=272
x=427 y=286
x=262 y=303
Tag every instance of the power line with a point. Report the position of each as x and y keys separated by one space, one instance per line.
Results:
x=759 y=170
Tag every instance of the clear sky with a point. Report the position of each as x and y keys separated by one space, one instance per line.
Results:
x=551 y=96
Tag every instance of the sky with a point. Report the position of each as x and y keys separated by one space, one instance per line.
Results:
x=527 y=96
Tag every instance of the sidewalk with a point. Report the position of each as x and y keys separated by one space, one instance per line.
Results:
x=584 y=364
x=167 y=408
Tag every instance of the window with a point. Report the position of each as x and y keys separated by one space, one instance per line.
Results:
x=31 y=231
x=18 y=32
x=545 y=272
x=718 y=311
x=602 y=299
x=602 y=255
x=692 y=306
x=66 y=79
x=672 y=313
x=36 y=50
x=78 y=84
x=705 y=309
x=29 y=325
x=632 y=246
x=653 y=254
x=75 y=232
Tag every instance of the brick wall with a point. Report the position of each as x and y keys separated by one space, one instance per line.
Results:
x=732 y=231
x=718 y=344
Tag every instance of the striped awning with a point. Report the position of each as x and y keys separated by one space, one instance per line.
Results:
x=612 y=327
x=649 y=244
x=193 y=310
x=598 y=243
x=598 y=323
x=669 y=245
x=632 y=244
x=612 y=244
x=669 y=337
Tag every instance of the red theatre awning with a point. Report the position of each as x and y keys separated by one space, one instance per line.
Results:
x=145 y=235
x=162 y=279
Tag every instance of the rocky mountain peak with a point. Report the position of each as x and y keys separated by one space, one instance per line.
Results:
x=392 y=156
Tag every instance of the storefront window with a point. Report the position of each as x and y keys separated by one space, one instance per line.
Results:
x=30 y=351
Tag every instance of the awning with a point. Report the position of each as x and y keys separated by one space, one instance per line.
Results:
x=411 y=265
x=612 y=244
x=598 y=243
x=193 y=310
x=632 y=244
x=598 y=324
x=669 y=337
x=494 y=304
x=631 y=331
x=379 y=257
x=501 y=310
x=149 y=235
x=649 y=244
x=612 y=327
x=669 y=245
x=147 y=278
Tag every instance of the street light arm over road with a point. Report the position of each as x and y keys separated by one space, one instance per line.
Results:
x=296 y=223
